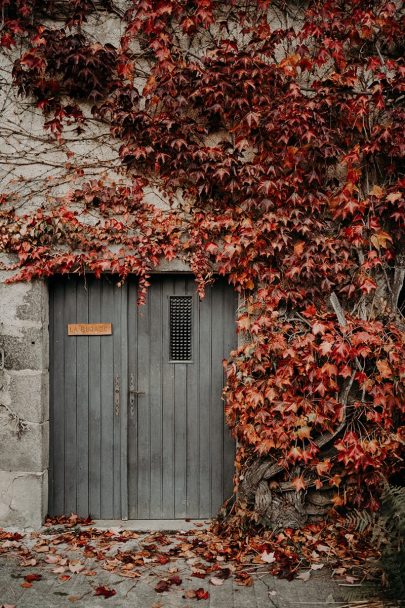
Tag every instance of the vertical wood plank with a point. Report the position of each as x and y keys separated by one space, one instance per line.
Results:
x=121 y=427
x=217 y=349
x=70 y=401
x=192 y=418
x=144 y=432
x=82 y=399
x=51 y=403
x=132 y=437
x=56 y=392
x=168 y=443
x=205 y=356
x=94 y=402
x=107 y=382
x=180 y=424
x=155 y=399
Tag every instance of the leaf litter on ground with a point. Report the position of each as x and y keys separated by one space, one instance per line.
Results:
x=205 y=553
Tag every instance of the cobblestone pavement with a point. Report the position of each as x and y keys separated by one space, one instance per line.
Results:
x=67 y=588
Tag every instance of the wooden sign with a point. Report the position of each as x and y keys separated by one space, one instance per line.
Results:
x=89 y=329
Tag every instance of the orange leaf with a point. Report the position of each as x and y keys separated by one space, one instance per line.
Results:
x=298 y=483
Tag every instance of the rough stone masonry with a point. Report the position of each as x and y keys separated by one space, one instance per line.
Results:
x=24 y=411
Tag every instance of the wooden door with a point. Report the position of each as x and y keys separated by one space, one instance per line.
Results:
x=87 y=469
x=137 y=423
x=180 y=452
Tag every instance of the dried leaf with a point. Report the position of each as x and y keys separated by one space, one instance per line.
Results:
x=106 y=592
x=201 y=594
x=267 y=558
x=76 y=566
x=162 y=586
x=216 y=581
x=32 y=577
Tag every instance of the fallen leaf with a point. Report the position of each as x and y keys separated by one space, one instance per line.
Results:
x=244 y=579
x=162 y=586
x=27 y=563
x=76 y=566
x=10 y=543
x=105 y=592
x=74 y=598
x=216 y=581
x=52 y=559
x=198 y=573
x=201 y=594
x=323 y=548
x=26 y=585
x=189 y=594
x=338 y=571
x=30 y=578
x=317 y=566
x=41 y=548
x=304 y=576
x=267 y=558
x=226 y=572
x=175 y=580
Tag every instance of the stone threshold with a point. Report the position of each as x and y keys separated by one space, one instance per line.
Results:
x=151 y=525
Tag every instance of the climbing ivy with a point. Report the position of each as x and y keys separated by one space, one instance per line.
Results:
x=273 y=131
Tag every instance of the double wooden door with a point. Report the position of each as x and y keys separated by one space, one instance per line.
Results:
x=137 y=420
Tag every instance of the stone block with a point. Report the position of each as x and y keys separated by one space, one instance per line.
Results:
x=24 y=447
x=22 y=305
x=23 y=498
x=27 y=351
x=26 y=393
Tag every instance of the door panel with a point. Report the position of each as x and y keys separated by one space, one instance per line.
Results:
x=85 y=442
x=166 y=452
x=180 y=453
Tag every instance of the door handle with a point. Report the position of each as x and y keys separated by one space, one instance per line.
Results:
x=132 y=393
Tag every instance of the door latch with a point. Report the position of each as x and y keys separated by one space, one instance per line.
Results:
x=132 y=394
x=117 y=395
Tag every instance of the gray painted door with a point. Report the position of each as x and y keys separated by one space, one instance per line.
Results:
x=137 y=424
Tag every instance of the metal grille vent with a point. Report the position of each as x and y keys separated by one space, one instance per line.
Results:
x=180 y=328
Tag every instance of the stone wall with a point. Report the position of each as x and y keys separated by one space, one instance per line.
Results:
x=24 y=420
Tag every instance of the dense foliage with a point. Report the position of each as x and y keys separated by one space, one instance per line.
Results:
x=275 y=132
